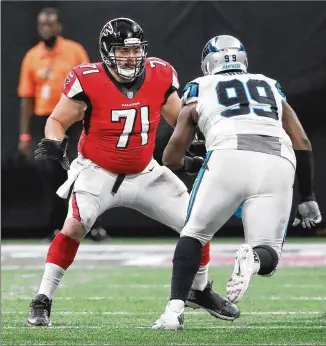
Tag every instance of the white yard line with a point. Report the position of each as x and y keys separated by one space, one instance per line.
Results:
x=10 y=297
x=248 y=327
x=296 y=344
x=132 y=313
x=291 y=298
x=152 y=286
x=190 y=328
x=301 y=286
x=188 y=344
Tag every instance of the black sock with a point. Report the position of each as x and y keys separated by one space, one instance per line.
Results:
x=268 y=259
x=186 y=263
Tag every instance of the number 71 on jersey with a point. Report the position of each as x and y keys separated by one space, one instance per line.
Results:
x=130 y=115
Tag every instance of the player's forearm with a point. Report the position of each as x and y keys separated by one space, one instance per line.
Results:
x=301 y=143
x=172 y=157
x=174 y=153
x=305 y=174
x=305 y=165
x=54 y=129
x=26 y=113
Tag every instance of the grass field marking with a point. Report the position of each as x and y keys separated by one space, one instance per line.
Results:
x=131 y=313
x=4 y=298
x=300 y=286
x=188 y=344
x=191 y=328
x=153 y=286
x=296 y=344
x=248 y=327
x=291 y=298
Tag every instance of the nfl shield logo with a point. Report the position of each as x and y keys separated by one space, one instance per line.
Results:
x=130 y=95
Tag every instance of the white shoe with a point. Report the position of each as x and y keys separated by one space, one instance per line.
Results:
x=244 y=269
x=172 y=318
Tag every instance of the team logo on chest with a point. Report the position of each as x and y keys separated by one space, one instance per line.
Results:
x=130 y=95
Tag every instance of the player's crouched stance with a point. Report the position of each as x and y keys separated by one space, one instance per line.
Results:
x=250 y=132
x=120 y=100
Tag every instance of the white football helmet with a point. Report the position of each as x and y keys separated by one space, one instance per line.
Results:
x=223 y=53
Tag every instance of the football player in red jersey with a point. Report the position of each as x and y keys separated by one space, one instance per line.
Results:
x=120 y=101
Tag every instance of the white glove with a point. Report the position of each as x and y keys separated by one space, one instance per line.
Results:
x=308 y=214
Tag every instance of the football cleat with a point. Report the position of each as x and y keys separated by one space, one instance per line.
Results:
x=40 y=312
x=172 y=319
x=217 y=306
x=243 y=270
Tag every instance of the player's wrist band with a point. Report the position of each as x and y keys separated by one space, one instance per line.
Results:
x=25 y=137
x=305 y=174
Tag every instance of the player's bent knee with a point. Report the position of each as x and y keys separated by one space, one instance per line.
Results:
x=268 y=258
x=203 y=238
x=88 y=221
x=86 y=218
x=74 y=229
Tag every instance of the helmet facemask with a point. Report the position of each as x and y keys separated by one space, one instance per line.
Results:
x=127 y=60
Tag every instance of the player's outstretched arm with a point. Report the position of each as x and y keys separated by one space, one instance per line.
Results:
x=308 y=212
x=174 y=153
x=65 y=113
x=303 y=151
x=294 y=129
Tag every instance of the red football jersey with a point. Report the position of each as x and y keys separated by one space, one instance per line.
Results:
x=121 y=120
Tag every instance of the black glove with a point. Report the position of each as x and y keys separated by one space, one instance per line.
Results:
x=53 y=149
x=192 y=165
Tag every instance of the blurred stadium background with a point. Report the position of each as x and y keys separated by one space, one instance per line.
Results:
x=285 y=41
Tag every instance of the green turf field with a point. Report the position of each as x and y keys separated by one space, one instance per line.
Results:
x=118 y=306
x=115 y=291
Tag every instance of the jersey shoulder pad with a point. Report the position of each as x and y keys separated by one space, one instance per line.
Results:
x=82 y=76
x=165 y=70
x=279 y=89
x=72 y=86
x=191 y=92
x=273 y=83
x=277 y=85
x=158 y=63
x=259 y=75
x=88 y=69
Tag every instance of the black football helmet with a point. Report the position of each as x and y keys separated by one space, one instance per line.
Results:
x=123 y=32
